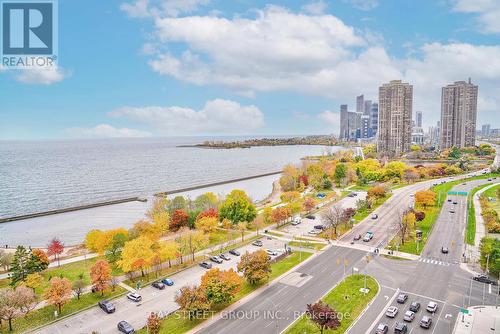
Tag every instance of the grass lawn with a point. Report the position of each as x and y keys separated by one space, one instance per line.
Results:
x=362 y=214
x=177 y=323
x=346 y=299
x=470 y=232
x=492 y=192
x=305 y=244
x=45 y=315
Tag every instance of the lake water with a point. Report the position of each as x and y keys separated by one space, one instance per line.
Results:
x=47 y=175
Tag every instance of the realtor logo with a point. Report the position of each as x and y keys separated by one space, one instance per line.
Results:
x=28 y=34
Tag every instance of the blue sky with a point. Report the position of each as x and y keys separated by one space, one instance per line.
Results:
x=199 y=67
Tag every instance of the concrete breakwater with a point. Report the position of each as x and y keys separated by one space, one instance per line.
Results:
x=129 y=199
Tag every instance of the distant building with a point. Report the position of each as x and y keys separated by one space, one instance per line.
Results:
x=417 y=136
x=344 y=122
x=458 y=115
x=360 y=104
x=394 y=117
x=366 y=130
x=485 y=130
x=418 y=119
x=433 y=135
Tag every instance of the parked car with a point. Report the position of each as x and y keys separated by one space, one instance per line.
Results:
x=426 y=322
x=449 y=200
x=257 y=243
x=414 y=306
x=401 y=328
x=357 y=237
x=215 y=259
x=352 y=195
x=315 y=231
x=295 y=222
x=382 y=329
x=167 y=281
x=311 y=217
x=391 y=311
x=234 y=252
x=455 y=202
x=134 y=296
x=125 y=327
x=319 y=227
x=224 y=257
x=368 y=236
x=159 y=285
x=206 y=265
x=409 y=316
x=107 y=306
x=402 y=297
x=432 y=307
x=444 y=250
x=374 y=216
x=452 y=211
x=484 y=279
x=271 y=252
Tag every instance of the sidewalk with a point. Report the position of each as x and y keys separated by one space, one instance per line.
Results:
x=479 y=320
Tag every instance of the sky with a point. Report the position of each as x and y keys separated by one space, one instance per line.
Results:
x=136 y=68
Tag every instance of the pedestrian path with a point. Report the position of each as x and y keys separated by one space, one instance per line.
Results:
x=436 y=262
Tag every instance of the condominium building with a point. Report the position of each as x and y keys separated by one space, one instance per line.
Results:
x=458 y=115
x=360 y=104
x=485 y=130
x=394 y=117
x=344 y=123
x=374 y=118
x=418 y=119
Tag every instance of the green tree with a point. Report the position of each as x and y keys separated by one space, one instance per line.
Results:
x=237 y=207
x=25 y=263
x=340 y=173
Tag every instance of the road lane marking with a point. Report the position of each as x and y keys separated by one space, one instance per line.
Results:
x=383 y=312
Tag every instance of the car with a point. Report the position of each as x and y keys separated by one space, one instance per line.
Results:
x=449 y=199
x=206 y=265
x=401 y=328
x=374 y=216
x=382 y=329
x=432 y=307
x=311 y=217
x=215 y=259
x=368 y=236
x=409 y=316
x=134 y=296
x=271 y=252
x=319 y=227
x=125 y=327
x=158 y=284
x=257 y=243
x=315 y=231
x=357 y=237
x=484 y=279
x=234 y=252
x=464 y=184
x=426 y=322
x=455 y=202
x=415 y=306
x=295 y=222
x=107 y=306
x=444 y=250
x=224 y=257
x=391 y=311
x=489 y=179
x=402 y=297
x=352 y=195
x=452 y=211
x=167 y=281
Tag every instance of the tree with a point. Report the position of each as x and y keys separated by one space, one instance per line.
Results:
x=347 y=214
x=220 y=287
x=405 y=222
x=117 y=243
x=153 y=323
x=395 y=170
x=9 y=305
x=34 y=281
x=309 y=204
x=55 y=248
x=58 y=293
x=6 y=259
x=290 y=196
x=192 y=300
x=91 y=240
x=78 y=288
x=211 y=212
x=323 y=316
x=206 y=201
x=454 y=153
x=26 y=299
x=159 y=215
x=280 y=215
x=242 y=227
x=237 y=207
x=255 y=266
x=340 y=173
x=333 y=217
x=425 y=198
x=258 y=223
x=100 y=274
x=41 y=260
x=207 y=224
x=377 y=192
x=195 y=240
x=144 y=228
x=168 y=251
x=179 y=219
x=23 y=264
x=136 y=255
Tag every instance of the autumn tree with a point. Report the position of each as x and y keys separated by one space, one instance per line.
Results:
x=100 y=274
x=179 y=219
x=24 y=262
x=55 y=248
x=41 y=258
x=309 y=204
x=58 y=293
x=206 y=201
x=211 y=212
x=220 y=286
x=159 y=215
x=255 y=266
x=78 y=288
x=193 y=300
x=425 y=198
x=195 y=240
x=347 y=214
x=332 y=218
x=290 y=196
x=237 y=207
x=34 y=281
x=9 y=306
x=144 y=228
x=242 y=227
x=207 y=224
x=258 y=223
x=136 y=255
x=168 y=251
x=26 y=299
x=323 y=316
x=280 y=215
x=178 y=203
x=377 y=192
x=153 y=323
x=6 y=259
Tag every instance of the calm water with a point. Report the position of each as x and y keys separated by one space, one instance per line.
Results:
x=39 y=176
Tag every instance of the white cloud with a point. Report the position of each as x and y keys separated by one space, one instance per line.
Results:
x=488 y=12
x=106 y=131
x=42 y=75
x=217 y=116
x=315 y=8
x=154 y=8
x=330 y=117
x=363 y=4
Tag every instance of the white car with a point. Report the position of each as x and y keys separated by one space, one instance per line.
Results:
x=391 y=311
x=133 y=296
x=271 y=252
x=409 y=316
x=432 y=307
x=315 y=231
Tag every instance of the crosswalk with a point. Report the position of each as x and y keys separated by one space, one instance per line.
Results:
x=436 y=262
